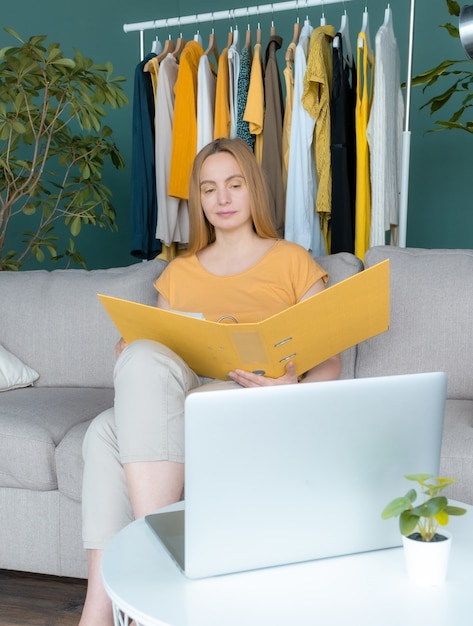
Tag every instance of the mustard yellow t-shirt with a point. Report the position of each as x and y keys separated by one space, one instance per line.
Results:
x=277 y=281
x=222 y=116
x=254 y=110
x=184 y=129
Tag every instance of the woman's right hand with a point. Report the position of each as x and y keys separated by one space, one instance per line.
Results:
x=119 y=347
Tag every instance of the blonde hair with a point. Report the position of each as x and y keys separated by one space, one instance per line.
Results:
x=201 y=232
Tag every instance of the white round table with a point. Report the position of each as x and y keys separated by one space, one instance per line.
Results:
x=369 y=589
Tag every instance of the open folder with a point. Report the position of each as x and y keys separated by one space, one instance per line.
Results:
x=307 y=333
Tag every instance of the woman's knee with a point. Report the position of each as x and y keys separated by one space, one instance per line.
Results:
x=145 y=359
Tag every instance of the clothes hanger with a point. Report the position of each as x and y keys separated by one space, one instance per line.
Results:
x=212 y=47
x=345 y=34
x=388 y=17
x=248 y=45
x=323 y=21
x=230 y=37
x=156 y=46
x=366 y=30
x=168 y=48
x=180 y=43
x=198 y=36
x=295 y=38
x=248 y=36
x=235 y=38
x=258 y=34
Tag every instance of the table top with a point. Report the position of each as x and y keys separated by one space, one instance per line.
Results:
x=365 y=589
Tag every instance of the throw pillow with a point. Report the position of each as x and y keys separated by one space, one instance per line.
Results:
x=13 y=372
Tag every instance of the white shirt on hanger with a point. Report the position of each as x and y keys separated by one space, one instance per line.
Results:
x=384 y=135
x=173 y=217
x=302 y=225
x=233 y=73
x=206 y=85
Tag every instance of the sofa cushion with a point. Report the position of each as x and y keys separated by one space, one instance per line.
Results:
x=54 y=321
x=457 y=449
x=340 y=266
x=430 y=325
x=69 y=462
x=32 y=423
x=13 y=372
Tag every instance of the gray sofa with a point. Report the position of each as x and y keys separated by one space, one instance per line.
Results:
x=55 y=324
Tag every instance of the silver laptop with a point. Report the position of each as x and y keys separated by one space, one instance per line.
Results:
x=279 y=475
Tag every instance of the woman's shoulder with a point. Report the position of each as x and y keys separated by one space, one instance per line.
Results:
x=289 y=249
x=182 y=262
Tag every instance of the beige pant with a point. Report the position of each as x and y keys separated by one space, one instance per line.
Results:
x=146 y=424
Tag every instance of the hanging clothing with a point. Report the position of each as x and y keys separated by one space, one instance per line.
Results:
x=173 y=219
x=302 y=224
x=364 y=95
x=385 y=138
x=233 y=74
x=272 y=133
x=288 y=73
x=254 y=111
x=144 y=244
x=184 y=130
x=342 y=128
x=206 y=89
x=316 y=100
x=222 y=121
x=152 y=66
x=243 y=127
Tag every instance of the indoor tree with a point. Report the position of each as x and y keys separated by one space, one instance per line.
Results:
x=457 y=78
x=54 y=146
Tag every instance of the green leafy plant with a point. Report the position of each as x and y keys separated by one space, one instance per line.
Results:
x=459 y=75
x=54 y=146
x=427 y=516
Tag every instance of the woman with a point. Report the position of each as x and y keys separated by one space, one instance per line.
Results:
x=235 y=268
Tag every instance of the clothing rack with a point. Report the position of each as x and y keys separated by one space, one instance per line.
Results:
x=229 y=14
x=289 y=5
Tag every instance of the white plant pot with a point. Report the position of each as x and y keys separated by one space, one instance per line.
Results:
x=427 y=561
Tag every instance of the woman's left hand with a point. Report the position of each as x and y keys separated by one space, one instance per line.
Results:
x=249 y=379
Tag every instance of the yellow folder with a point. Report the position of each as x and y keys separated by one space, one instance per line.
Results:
x=307 y=333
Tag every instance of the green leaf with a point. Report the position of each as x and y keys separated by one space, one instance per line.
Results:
x=65 y=63
x=455 y=510
x=19 y=127
x=408 y=522
x=38 y=254
x=29 y=209
x=452 y=30
x=419 y=478
x=398 y=505
x=431 y=507
x=13 y=33
x=76 y=225
x=453 y=7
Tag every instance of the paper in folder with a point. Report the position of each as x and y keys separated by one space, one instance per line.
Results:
x=307 y=333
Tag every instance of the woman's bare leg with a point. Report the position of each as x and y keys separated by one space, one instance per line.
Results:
x=97 y=609
x=151 y=486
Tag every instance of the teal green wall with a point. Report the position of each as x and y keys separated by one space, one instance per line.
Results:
x=441 y=183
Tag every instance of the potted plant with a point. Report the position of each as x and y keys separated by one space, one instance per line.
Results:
x=426 y=548
x=54 y=147
x=456 y=76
